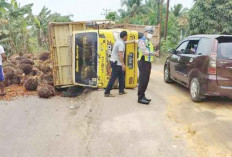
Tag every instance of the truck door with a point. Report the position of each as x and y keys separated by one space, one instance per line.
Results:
x=131 y=60
x=106 y=42
x=86 y=59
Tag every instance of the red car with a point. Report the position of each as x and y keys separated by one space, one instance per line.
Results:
x=202 y=63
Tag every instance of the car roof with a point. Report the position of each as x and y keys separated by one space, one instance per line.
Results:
x=212 y=36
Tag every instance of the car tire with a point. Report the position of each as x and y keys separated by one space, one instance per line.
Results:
x=167 y=77
x=195 y=90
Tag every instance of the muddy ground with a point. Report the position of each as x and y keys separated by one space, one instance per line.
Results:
x=94 y=126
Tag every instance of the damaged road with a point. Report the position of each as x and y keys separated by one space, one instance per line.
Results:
x=94 y=126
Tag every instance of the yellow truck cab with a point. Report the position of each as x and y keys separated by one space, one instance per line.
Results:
x=92 y=57
x=81 y=53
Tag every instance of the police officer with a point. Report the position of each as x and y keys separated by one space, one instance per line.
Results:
x=145 y=58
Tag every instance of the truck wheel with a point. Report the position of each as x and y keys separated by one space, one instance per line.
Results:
x=195 y=90
x=167 y=78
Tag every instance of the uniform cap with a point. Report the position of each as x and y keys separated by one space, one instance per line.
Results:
x=149 y=29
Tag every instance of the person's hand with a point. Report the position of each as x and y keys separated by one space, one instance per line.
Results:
x=157 y=53
x=123 y=67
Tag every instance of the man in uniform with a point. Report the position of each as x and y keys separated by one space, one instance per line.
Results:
x=118 y=65
x=2 y=56
x=145 y=58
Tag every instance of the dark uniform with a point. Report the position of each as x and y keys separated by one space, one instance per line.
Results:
x=146 y=56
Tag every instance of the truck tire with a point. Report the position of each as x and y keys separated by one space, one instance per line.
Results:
x=195 y=90
x=167 y=78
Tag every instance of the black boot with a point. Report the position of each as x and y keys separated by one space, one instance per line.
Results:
x=149 y=100
x=143 y=101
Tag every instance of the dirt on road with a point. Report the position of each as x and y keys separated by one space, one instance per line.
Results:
x=206 y=126
x=94 y=126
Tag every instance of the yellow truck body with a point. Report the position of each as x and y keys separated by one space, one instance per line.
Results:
x=92 y=61
x=81 y=52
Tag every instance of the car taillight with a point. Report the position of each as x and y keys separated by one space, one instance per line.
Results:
x=212 y=69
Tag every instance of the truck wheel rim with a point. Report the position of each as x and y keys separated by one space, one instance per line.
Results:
x=166 y=73
x=194 y=89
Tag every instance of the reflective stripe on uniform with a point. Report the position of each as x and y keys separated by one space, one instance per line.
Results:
x=150 y=48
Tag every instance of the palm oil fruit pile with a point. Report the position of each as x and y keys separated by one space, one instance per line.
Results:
x=34 y=72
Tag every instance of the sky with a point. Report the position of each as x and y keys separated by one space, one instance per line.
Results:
x=85 y=10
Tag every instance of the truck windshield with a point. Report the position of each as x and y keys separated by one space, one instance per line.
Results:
x=225 y=48
x=86 y=58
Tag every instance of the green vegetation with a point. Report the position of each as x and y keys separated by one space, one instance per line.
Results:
x=23 y=32
x=211 y=17
x=205 y=17
x=148 y=13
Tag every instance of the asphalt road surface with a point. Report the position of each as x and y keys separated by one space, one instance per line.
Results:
x=94 y=126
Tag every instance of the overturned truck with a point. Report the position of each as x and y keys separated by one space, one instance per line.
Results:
x=81 y=51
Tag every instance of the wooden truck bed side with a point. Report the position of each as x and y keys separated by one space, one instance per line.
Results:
x=61 y=51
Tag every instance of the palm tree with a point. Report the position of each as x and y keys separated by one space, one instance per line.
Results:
x=152 y=4
x=178 y=10
x=134 y=7
x=41 y=26
x=180 y=13
x=152 y=7
x=41 y=23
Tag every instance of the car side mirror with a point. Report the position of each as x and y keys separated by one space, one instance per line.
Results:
x=172 y=51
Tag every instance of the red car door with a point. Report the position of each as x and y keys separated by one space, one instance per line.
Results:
x=175 y=58
x=224 y=62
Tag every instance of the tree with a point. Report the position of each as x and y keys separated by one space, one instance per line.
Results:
x=178 y=10
x=57 y=17
x=112 y=16
x=122 y=14
x=134 y=7
x=211 y=17
x=181 y=15
x=15 y=36
x=41 y=23
x=41 y=26
x=152 y=11
x=21 y=31
x=3 y=6
x=148 y=13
